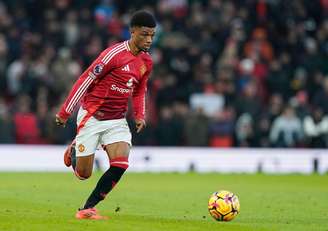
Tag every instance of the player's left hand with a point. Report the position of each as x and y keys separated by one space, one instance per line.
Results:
x=60 y=121
x=140 y=125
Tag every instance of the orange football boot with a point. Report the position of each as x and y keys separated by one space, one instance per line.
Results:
x=69 y=155
x=90 y=213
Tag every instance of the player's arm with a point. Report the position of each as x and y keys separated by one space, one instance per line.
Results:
x=96 y=70
x=139 y=102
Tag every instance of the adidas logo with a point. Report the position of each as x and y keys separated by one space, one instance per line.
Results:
x=126 y=68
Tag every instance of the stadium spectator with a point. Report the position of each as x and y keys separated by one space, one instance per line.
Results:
x=221 y=128
x=316 y=129
x=7 y=130
x=196 y=121
x=286 y=130
x=26 y=123
x=262 y=131
x=321 y=96
x=169 y=129
x=245 y=131
x=248 y=101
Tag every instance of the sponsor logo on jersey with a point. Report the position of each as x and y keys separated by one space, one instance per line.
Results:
x=81 y=148
x=119 y=89
x=98 y=68
x=129 y=83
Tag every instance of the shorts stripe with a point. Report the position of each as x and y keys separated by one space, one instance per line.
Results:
x=90 y=113
x=83 y=122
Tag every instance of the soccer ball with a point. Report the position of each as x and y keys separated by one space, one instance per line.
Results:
x=223 y=206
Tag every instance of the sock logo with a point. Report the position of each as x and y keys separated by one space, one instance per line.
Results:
x=113 y=184
x=103 y=195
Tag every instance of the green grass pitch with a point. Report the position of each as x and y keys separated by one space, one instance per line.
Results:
x=48 y=201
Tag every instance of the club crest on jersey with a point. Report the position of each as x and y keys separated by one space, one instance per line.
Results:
x=130 y=83
x=81 y=148
x=143 y=69
x=98 y=68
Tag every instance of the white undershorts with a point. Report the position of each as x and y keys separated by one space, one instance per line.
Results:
x=99 y=132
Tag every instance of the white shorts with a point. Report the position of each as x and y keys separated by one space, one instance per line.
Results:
x=95 y=133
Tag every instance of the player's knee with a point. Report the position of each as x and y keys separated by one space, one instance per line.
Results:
x=82 y=174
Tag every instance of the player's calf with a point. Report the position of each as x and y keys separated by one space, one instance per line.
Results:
x=81 y=176
x=108 y=181
x=83 y=173
x=84 y=165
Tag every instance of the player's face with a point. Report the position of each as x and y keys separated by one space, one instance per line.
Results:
x=143 y=37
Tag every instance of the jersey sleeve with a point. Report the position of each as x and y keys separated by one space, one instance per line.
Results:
x=139 y=94
x=99 y=68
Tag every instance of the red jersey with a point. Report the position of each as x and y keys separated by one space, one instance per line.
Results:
x=105 y=87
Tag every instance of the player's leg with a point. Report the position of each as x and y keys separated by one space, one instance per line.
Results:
x=117 y=143
x=86 y=142
x=83 y=117
x=118 y=154
x=86 y=145
x=84 y=166
x=83 y=170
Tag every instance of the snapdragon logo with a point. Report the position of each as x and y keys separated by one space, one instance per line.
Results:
x=119 y=89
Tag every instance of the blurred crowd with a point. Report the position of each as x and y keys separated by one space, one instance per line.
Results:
x=227 y=73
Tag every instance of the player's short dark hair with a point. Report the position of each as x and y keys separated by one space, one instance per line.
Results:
x=142 y=18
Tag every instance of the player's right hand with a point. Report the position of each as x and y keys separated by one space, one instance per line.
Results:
x=140 y=124
x=60 y=121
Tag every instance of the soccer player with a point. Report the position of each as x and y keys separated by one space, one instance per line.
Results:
x=119 y=72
